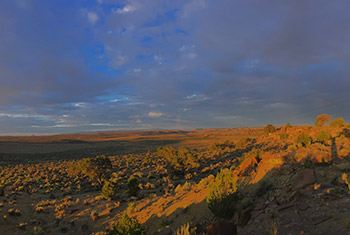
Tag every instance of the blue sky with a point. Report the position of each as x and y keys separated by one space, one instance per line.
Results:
x=74 y=66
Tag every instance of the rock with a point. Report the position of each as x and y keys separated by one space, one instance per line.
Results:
x=222 y=228
x=244 y=217
x=304 y=178
x=165 y=231
x=342 y=166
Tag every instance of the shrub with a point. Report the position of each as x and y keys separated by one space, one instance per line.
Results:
x=283 y=136
x=180 y=160
x=303 y=139
x=133 y=186
x=288 y=125
x=244 y=143
x=1 y=190
x=222 y=198
x=322 y=119
x=269 y=128
x=128 y=226
x=322 y=136
x=108 y=190
x=338 y=122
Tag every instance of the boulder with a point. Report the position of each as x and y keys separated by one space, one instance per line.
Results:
x=241 y=218
x=304 y=178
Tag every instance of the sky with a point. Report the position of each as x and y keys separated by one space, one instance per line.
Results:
x=101 y=65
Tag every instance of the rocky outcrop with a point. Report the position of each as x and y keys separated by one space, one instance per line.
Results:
x=303 y=179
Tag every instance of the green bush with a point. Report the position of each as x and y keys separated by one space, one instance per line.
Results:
x=283 y=136
x=338 y=122
x=133 y=186
x=222 y=198
x=128 y=226
x=323 y=136
x=303 y=139
x=269 y=128
x=108 y=190
x=180 y=160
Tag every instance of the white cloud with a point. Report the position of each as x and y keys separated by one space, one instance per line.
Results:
x=185 y=109
x=125 y=9
x=137 y=70
x=80 y=104
x=92 y=17
x=118 y=61
x=191 y=56
x=155 y=114
x=115 y=100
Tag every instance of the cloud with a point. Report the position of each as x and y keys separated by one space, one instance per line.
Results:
x=92 y=17
x=126 y=9
x=188 y=60
x=155 y=114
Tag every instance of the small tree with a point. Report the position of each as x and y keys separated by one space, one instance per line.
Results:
x=322 y=119
x=269 y=128
x=96 y=168
x=338 y=122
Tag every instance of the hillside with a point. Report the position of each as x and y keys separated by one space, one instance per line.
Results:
x=289 y=181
